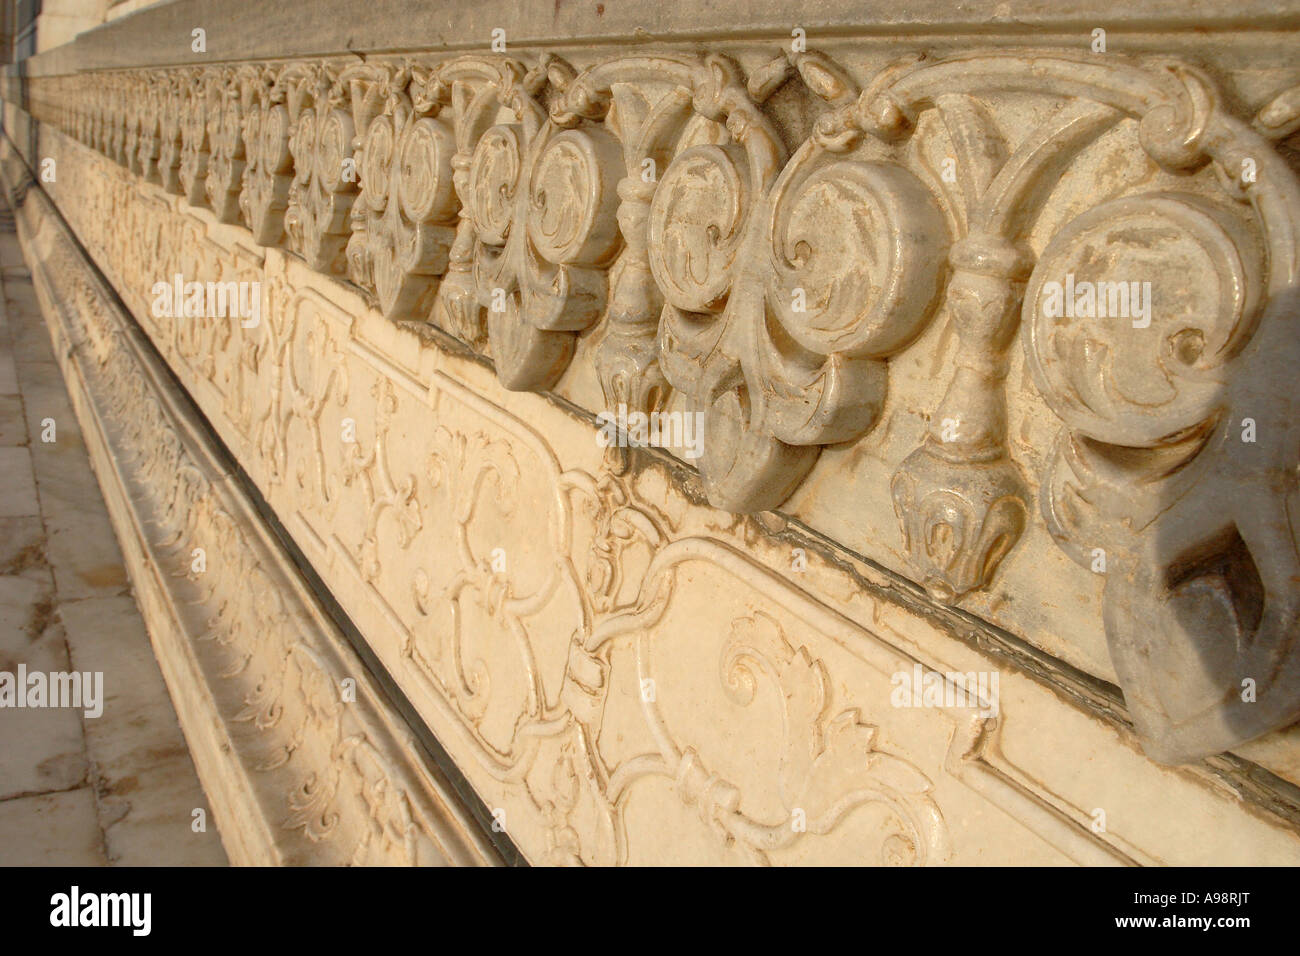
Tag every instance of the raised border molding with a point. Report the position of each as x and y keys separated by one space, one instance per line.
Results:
x=159 y=35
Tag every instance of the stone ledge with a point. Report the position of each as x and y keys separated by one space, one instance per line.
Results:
x=160 y=35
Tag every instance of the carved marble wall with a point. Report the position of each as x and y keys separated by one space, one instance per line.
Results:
x=843 y=257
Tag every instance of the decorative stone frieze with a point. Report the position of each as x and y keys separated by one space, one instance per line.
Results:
x=991 y=335
x=766 y=282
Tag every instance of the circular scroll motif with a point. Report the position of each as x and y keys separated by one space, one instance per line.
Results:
x=1132 y=312
x=493 y=179
x=424 y=169
x=376 y=161
x=301 y=144
x=273 y=152
x=696 y=226
x=857 y=250
x=574 y=198
x=229 y=131
x=267 y=142
x=334 y=144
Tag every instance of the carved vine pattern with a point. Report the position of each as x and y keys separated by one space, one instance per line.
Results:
x=350 y=797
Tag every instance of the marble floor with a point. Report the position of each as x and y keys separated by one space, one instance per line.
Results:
x=120 y=788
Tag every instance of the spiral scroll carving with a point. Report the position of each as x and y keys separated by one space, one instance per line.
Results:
x=403 y=223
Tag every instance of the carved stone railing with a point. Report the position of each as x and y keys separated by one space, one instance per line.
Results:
x=870 y=272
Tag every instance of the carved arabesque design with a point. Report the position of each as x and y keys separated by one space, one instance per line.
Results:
x=558 y=730
x=404 y=221
x=227 y=156
x=324 y=186
x=326 y=762
x=768 y=284
x=268 y=172
x=768 y=326
x=829 y=764
x=196 y=96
